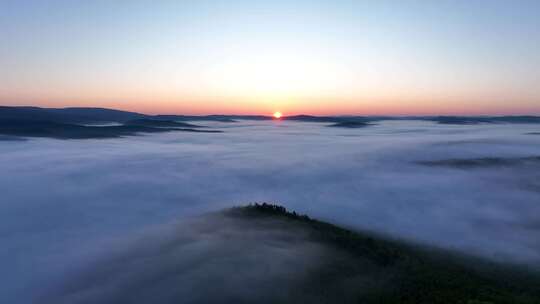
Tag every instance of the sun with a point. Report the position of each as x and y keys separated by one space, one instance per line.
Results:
x=277 y=115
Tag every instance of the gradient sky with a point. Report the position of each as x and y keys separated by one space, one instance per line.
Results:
x=314 y=57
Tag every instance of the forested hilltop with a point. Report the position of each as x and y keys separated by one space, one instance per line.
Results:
x=262 y=253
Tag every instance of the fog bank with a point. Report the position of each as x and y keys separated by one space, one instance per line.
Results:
x=64 y=202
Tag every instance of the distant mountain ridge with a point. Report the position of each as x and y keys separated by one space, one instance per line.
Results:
x=68 y=115
x=15 y=129
x=81 y=115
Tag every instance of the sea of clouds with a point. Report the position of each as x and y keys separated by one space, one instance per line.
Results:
x=65 y=204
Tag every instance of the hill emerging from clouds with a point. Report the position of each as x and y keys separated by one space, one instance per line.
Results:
x=15 y=129
x=265 y=254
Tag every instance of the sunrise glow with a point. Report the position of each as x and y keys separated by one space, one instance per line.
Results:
x=277 y=115
x=320 y=58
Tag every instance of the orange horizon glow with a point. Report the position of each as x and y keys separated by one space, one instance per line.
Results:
x=308 y=106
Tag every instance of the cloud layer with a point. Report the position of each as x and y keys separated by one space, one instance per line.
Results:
x=65 y=202
x=210 y=259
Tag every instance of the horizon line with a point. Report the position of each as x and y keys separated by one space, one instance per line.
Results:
x=270 y=115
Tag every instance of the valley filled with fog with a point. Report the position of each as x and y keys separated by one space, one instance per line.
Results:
x=66 y=203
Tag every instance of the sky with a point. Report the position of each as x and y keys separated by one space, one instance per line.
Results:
x=257 y=57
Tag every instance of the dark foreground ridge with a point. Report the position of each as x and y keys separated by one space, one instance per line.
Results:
x=403 y=273
x=263 y=253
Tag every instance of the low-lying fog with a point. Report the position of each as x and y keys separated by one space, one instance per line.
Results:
x=216 y=258
x=64 y=202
